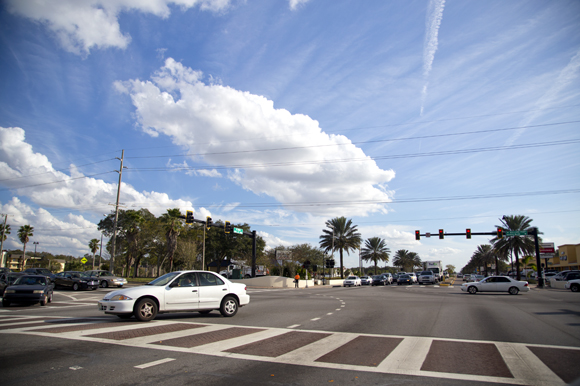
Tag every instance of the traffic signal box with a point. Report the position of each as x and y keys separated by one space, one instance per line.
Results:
x=468 y=233
x=189 y=217
x=441 y=234
x=499 y=233
x=417 y=235
x=208 y=222
x=227 y=227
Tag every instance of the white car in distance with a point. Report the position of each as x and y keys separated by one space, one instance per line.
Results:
x=352 y=281
x=181 y=291
x=496 y=284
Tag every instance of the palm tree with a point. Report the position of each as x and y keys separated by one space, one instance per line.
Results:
x=341 y=235
x=5 y=230
x=484 y=255
x=172 y=225
x=375 y=250
x=515 y=244
x=24 y=235
x=94 y=247
x=405 y=259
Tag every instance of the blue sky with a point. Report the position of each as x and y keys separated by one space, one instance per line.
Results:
x=400 y=115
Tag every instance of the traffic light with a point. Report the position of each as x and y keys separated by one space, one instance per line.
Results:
x=499 y=233
x=468 y=233
x=189 y=217
x=208 y=222
x=307 y=264
x=315 y=268
x=332 y=263
x=227 y=227
x=441 y=234
x=417 y=235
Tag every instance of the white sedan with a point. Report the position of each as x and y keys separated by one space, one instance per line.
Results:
x=496 y=284
x=352 y=280
x=200 y=291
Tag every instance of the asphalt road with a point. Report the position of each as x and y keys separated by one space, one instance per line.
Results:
x=366 y=335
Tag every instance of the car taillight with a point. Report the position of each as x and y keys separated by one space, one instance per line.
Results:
x=245 y=288
x=525 y=285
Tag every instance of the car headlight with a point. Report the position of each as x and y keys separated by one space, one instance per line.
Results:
x=38 y=291
x=120 y=297
x=9 y=292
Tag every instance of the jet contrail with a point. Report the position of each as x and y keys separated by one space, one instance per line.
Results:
x=432 y=23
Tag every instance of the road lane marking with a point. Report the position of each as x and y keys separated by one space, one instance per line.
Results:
x=154 y=363
x=525 y=365
x=293 y=326
x=314 y=319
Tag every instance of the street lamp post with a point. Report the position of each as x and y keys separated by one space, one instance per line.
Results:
x=35 y=244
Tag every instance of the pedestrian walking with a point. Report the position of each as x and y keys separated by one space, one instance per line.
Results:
x=296 y=281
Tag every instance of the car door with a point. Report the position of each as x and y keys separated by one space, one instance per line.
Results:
x=487 y=285
x=503 y=284
x=182 y=293
x=212 y=289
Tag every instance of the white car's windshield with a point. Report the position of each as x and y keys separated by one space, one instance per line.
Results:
x=164 y=280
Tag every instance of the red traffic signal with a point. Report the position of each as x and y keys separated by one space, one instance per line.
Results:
x=441 y=234
x=417 y=235
x=499 y=233
x=468 y=233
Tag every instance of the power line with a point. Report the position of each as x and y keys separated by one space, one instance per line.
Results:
x=365 y=159
x=356 y=143
x=55 y=182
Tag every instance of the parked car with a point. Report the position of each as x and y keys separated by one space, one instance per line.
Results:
x=180 y=291
x=466 y=277
x=573 y=285
x=404 y=279
x=378 y=280
x=40 y=271
x=427 y=277
x=496 y=284
x=366 y=280
x=76 y=280
x=413 y=277
x=388 y=278
x=28 y=289
x=107 y=279
x=7 y=279
x=5 y=270
x=459 y=275
x=352 y=280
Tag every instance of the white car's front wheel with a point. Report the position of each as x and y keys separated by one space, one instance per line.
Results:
x=145 y=310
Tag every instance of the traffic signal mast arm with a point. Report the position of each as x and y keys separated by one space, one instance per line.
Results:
x=436 y=234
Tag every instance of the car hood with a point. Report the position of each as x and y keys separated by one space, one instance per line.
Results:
x=136 y=291
x=27 y=287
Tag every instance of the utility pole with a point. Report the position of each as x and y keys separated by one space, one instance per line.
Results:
x=2 y=242
x=120 y=171
x=101 y=251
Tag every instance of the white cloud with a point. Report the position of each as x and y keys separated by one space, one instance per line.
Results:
x=81 y=25
x=294 y=4
x=433 y=22
x=237 y=129
x=273 y=241
x=31 y=174
x=70 y=235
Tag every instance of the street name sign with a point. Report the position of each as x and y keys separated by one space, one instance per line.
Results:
x=516 y=233
x=239 y=231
